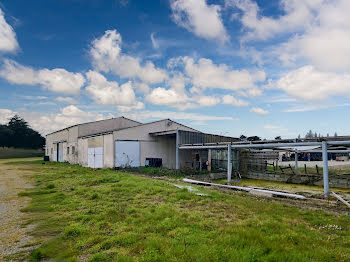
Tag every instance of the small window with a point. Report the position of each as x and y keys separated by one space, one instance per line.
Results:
x=67 y=150
x=73 y=149
x=153 y=162
x=51 y=151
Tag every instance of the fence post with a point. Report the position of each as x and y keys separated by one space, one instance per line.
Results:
x=325 y=169
x=296 y=162
x=229 y=164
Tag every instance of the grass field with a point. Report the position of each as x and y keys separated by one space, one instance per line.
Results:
x=20 y=153
x=103 y=215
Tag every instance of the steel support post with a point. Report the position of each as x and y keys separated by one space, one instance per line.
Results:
x=296 y=163
x=209 y=160
x=177 y=163
x=229 y=164
x=325 y=169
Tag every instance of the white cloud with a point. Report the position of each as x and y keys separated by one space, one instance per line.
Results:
x=105 y=92
x=271 y=127
x=8 y=41
x=107 y=57
x=142 y=115
x=297 y=15
x=56 y=80
x=68 y=100
x=61 y=81
x=35 y=97
x=311 y=84
x=259 y=111
x=231 y=100
x=206 y=74
x=170 y=97
x=142 y=87
x=49 y=122
x=207 y=100
x=200 y=18
x=319 y=31
x=155 y=43
x=5 y=115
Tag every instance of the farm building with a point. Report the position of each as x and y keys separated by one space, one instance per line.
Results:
x=120 y=142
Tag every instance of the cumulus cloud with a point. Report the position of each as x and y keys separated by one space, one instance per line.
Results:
x=170 y=97
x=311 y=84
x=231 y=100
x=205 y=74
x=5 y=115
x=68 y=100
x=259 y=111
x=56 y=80
x=106 y=92
x=8 y=41
x=297 y=15
x=107 y=56
x=146 y=115
x=49 y=122
x=207 y=100
x=200 y=18
x=319 y=29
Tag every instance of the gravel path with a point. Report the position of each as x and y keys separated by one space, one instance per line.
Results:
x=13 y=235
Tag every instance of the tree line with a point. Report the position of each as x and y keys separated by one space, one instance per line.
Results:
x=18 y=134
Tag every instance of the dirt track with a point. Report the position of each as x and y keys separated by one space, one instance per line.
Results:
x=13 y=235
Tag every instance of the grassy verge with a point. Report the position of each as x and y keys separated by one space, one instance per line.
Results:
x=161 y=171
x=19 y=153
x=105 y=215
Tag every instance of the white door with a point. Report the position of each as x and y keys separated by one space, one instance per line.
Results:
x=127 y=153
x=95 y=152
x=91 y=157
x=98 y=157
x=60 y=152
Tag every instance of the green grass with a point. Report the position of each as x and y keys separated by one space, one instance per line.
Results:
x=105 y=215
x=161 y=171
x=19 y=153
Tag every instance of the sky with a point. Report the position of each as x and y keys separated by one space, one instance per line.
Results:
x=227 y=67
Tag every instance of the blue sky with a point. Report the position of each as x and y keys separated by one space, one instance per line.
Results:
x=228 y=67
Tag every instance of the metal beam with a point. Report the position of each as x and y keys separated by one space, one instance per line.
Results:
x=267 y=145
x=325 y=169
x=329 y=151
x=229 y=165
x=338 y=142
x=272 y=145
x=177 y=164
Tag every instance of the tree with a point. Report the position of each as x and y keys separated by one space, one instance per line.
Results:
x=299 y=136
x=5 y=134
x=335 y=134
x=18 y=134
x=253 y=138
x=243 y=137
x=309 y=134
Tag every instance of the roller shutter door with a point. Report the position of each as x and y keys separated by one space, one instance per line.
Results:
x=127 y=153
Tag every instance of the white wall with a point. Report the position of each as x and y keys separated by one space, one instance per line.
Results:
x=163 y=147
x=108 y=151
x=83 y=152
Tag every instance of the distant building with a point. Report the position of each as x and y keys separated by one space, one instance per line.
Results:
x=121 y=142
